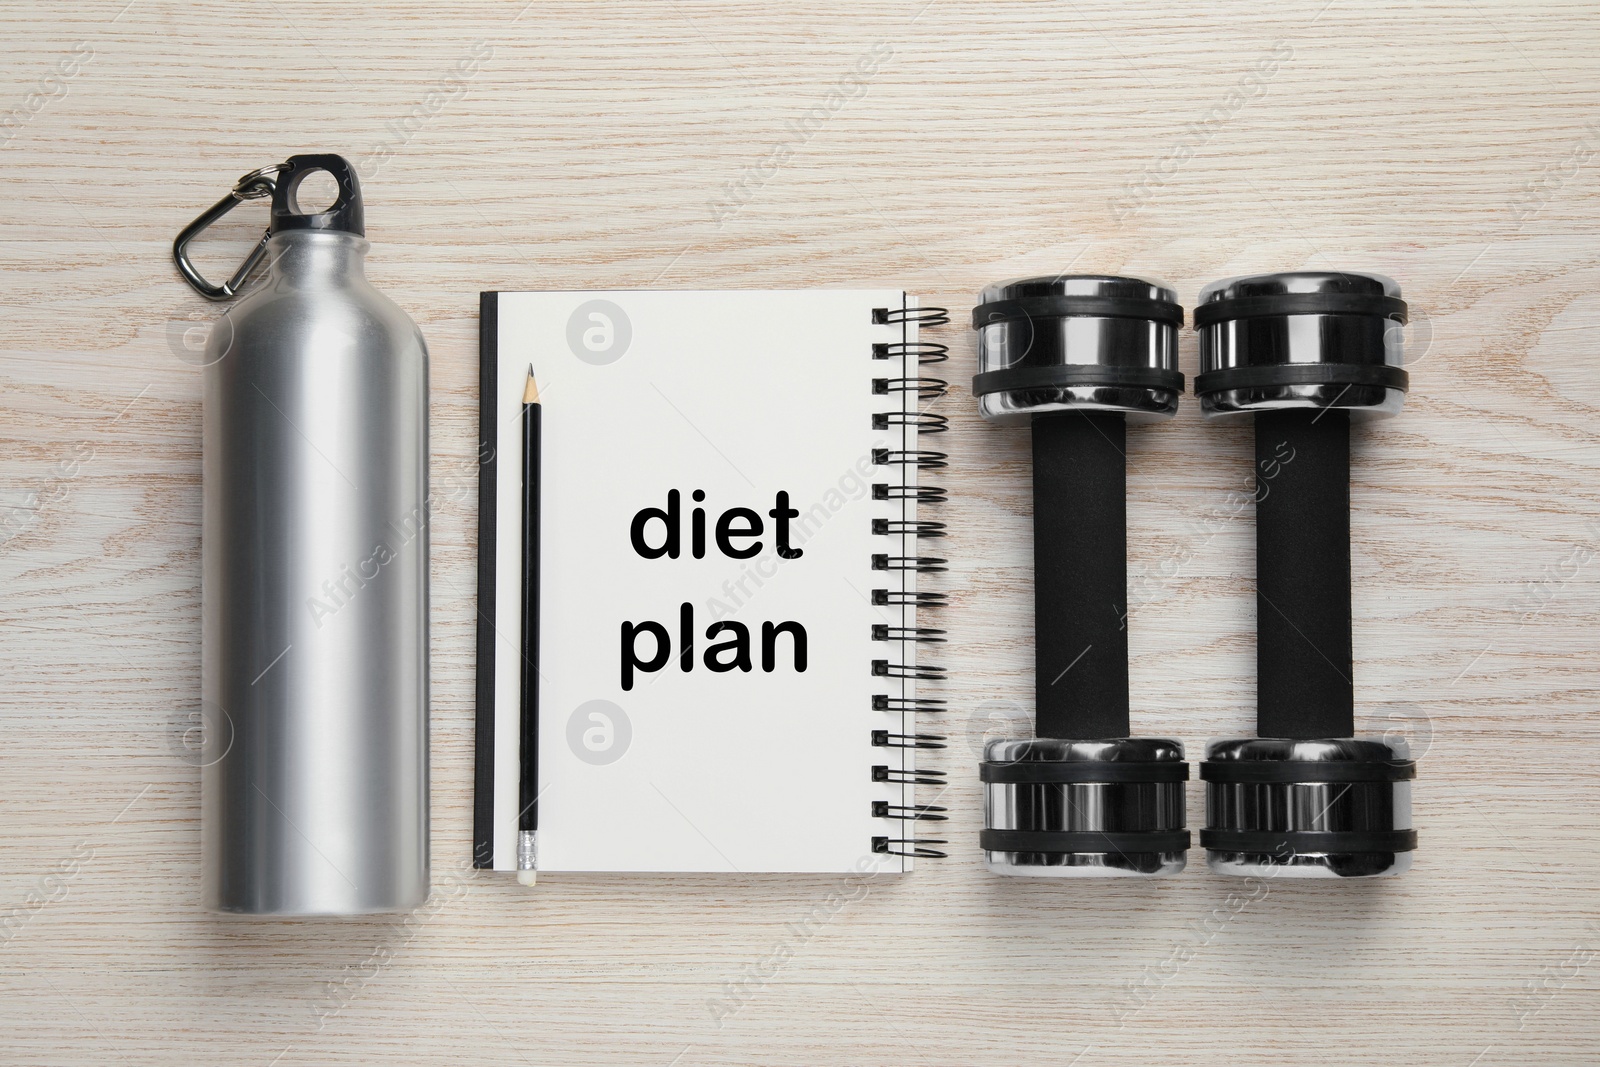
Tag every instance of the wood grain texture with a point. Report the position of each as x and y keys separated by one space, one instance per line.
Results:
x=1454 y=146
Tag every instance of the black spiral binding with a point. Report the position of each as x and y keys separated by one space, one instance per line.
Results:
x=916 y=457
x=919 y=599
x=927 y=494
x=914 y=528
x=885 y=739
x=924 y=316
x=910 y=846
x=884 y=773
x=920 y=564
x=925 y=634
x=926 y=705
x=882 y=809
x=914 y=392
x=924 y=388
x=922 y=351
x=925 y=422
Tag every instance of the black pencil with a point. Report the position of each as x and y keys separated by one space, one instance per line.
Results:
x=528 y=795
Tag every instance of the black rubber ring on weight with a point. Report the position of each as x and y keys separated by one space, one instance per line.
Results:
x=1032 y=772
x=1283 y=843
x=1258 y=307
x=1309 y=772
x=1028 y=308
x=1123 y=841
x=1014 y=378
x=1379 y=374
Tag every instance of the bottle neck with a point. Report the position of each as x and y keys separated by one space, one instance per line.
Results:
x=317 y=258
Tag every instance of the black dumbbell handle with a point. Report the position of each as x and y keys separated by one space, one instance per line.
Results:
x=1303 y=653
x=1080 y=557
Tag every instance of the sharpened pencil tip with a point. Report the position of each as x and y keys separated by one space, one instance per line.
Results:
x=530 y=392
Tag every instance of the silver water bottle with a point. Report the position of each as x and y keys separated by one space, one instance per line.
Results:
x=314 y=657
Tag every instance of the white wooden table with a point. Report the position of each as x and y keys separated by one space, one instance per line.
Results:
x=1455 y=147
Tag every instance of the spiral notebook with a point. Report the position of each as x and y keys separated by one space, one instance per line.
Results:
x=728 y=608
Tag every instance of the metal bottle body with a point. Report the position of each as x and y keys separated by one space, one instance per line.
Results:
x=315 y=593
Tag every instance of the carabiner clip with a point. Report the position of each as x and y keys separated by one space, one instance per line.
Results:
x=252 y=186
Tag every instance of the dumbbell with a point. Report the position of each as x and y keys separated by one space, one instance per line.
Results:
x=1304 y=353
x=1076 y=358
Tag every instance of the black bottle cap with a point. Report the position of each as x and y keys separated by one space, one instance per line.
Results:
x=344 y=216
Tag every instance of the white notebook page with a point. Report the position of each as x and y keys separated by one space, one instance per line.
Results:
x=739 y=395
